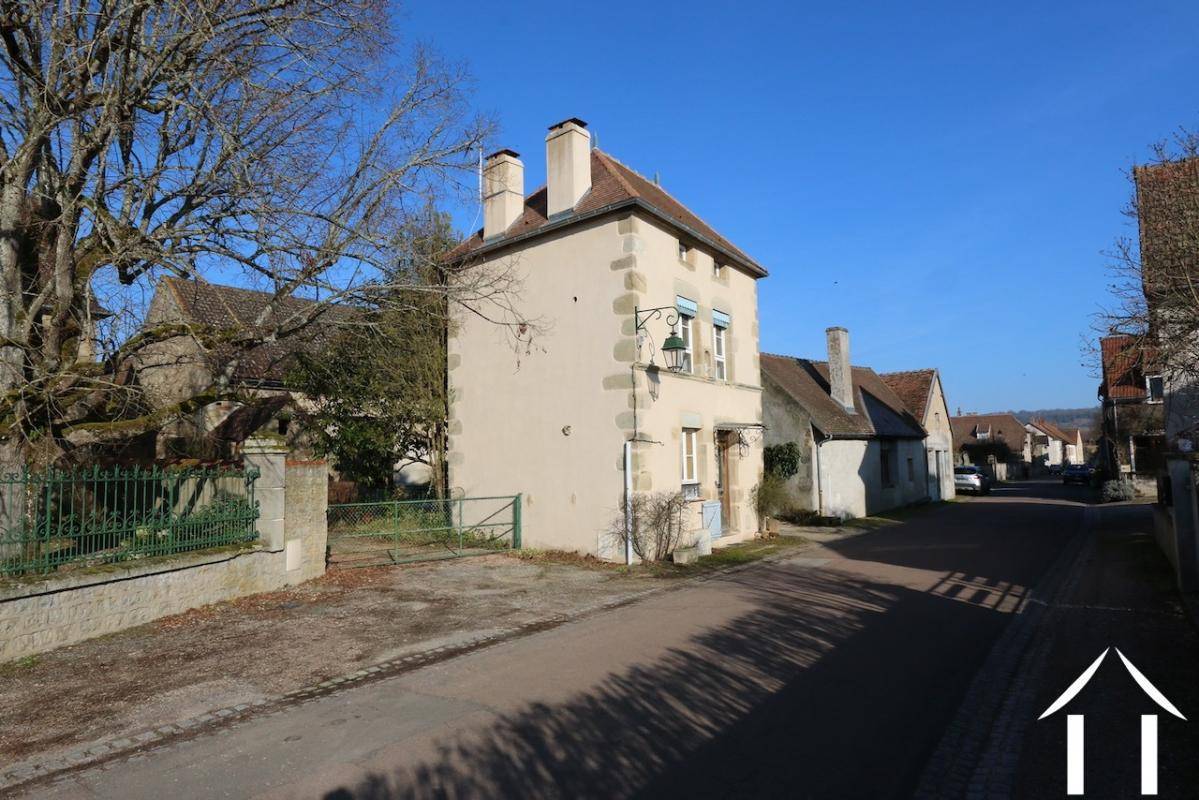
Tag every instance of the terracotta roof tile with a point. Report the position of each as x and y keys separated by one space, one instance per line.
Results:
x=222 y=307
x=1123 y=360
x=1050 y=429
x=1000 y=427
x=914 y=387
x=612 y=183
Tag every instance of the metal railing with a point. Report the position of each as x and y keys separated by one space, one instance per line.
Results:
x=102 y=516
x=398 y=531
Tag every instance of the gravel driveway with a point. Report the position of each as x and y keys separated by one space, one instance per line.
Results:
x=269 y=644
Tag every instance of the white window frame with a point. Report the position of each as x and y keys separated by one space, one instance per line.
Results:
x=717 y=269
x=687 y=334
x=684 y=252
x=689 y=456
x=720 y=369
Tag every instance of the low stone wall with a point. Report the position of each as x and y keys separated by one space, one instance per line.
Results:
x=39 y=614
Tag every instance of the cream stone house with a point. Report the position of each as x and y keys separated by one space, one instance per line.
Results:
x=609 y=265
x=924 y=396
x=1053 y=447
x=862 y=450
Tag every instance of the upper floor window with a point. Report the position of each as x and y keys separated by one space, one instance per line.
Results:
x=720 y=364
x=687 y=333
x=684 y=251
x=1156 y=388
x=717 y=269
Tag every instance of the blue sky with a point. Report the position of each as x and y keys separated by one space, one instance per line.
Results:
x=940 y=178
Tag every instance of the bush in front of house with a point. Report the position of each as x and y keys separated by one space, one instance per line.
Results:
x=657 y=524
x=772 y=498
x=1118 y=490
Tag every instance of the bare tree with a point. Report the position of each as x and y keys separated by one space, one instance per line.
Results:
x=276 y=144
x=1155 y=276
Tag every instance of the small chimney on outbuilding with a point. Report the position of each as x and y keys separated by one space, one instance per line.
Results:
x=840 y=374
x=503 y=191
x=567 y=165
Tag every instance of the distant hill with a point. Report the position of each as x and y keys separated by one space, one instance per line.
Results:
x=1082 y=418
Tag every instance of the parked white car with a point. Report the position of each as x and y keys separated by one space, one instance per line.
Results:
x=971 y=479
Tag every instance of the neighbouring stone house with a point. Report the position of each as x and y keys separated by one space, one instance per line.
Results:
x=1151 y=417
x=923 y=394
x=1132 y=396
x=1167 y=207
x=1052 y=446
x=863 y=451
x=999 y=442
x=595 y=251
x=179 y=368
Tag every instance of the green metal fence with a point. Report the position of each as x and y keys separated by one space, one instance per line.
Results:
x=101 y=516
x=401 y=531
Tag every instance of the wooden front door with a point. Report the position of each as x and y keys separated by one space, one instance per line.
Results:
x=725 y=441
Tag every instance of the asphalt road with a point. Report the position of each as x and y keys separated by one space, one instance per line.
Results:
x=835 y=674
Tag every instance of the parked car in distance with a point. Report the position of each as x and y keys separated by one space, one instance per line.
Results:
x=1055 y=469
x=1079 y=473
x=971 y=479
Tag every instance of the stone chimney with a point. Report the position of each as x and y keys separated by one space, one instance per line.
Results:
x=568 y=165
x=503 y=191
x=840 y=375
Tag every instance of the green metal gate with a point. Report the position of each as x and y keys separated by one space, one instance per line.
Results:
x=403 y=531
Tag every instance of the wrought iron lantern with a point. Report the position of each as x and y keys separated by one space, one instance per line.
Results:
x=674 y=350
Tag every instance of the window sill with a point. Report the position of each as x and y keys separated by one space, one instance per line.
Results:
x=693 y=377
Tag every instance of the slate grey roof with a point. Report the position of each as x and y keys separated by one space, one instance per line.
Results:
x=880 y=412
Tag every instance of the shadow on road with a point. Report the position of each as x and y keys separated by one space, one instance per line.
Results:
x=837 y=684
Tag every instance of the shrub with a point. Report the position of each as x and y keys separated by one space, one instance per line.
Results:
x=771 y=497
x=657 y=519
x=1118 y=490
x=782 y=460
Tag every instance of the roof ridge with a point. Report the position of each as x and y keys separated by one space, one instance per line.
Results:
x=909 y=371
x=664 y=191
x=628 y=187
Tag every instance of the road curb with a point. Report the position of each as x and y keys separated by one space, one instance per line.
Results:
x=105 y=752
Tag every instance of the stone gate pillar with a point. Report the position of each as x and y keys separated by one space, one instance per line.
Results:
x=269 y=457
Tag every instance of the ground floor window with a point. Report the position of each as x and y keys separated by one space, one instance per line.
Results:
x=690 y=473
x=886 y=463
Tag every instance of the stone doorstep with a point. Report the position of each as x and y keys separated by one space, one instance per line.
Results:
x=136 y=745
